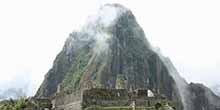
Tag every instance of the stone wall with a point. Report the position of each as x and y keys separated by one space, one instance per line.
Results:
x=66 y=101
x=34 y=103
x=117 y=97
x=102 y=98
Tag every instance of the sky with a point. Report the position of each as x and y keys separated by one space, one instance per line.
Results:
x=32 y=32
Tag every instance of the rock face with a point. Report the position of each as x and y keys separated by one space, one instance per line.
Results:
x=203 y=98
x=111 y=51
x=194 y=96
x=99 y=99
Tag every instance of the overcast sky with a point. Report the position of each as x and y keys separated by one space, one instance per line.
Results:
x=32 y=32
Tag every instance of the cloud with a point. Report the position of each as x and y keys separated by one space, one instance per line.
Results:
x=19 y=85
x=13 y=93
x=31 y=37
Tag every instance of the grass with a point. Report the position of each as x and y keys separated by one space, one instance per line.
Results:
x=118 y=107
x=126 y=107
x=74 y=74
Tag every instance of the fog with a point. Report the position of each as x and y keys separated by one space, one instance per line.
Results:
x=13 y=93
x=33 y=32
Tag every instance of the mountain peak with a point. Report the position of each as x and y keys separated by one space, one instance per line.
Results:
x=111 y=51
x=110 y=47
x=107 y=15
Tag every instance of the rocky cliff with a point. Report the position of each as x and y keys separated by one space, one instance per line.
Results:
x=111 y=51
x=194 y=96
x=203 y=98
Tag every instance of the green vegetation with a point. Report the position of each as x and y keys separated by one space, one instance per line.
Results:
x=163 y=105
x=73 y=77
x=120 y=81
x=13 y=104
x=118 y=107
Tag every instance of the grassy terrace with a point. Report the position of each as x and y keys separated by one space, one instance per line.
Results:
x=119 y=108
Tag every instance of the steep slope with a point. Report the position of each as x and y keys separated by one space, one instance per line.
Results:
x=194 y=96
x=111 y=51
x=203 y=98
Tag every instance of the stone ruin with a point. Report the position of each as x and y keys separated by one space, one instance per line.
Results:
x=66 y=101
x=117 y=97
x=103 y=98
x=38 y=104
x=98 y=97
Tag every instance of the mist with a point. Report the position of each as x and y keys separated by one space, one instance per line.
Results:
x=31 y=37
x=98 y=25
x=181 y=83
x=20 y=85
x=13 y=93
x=216 y=89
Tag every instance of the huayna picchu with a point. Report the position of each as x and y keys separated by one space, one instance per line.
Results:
x=110 y=65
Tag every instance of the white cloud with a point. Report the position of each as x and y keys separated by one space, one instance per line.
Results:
x=33 y=32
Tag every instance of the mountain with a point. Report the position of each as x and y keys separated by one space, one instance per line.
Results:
x=194 y=96
x=13 y=93
x=203 y=98
x=111 y=51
